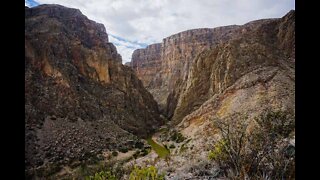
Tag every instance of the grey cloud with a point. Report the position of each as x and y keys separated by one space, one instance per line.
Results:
x=148 y=21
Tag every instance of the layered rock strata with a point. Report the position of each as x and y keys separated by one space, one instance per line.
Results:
x=79 y=98
x=234 y=50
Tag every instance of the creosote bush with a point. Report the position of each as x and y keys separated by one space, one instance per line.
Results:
x=263 y=151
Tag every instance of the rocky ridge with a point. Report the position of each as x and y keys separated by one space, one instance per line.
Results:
x=79 y=98
x=249 y=72
x=180 y=51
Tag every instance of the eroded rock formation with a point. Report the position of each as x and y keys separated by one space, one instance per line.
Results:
x=246 y=74
x=79 y=98
x=184 y=82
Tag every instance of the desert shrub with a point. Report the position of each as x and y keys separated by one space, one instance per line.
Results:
x=218 y=154
x=114 y=153
x=123 y=149
x=102 y=175
x=177 y=137
x=172 y=146
x=144 y=152
x=183 y=148
x=261 y=152
x=145 y=173
x=104 y=171
x=203 y=169
x=136 y=154
x=139 y=145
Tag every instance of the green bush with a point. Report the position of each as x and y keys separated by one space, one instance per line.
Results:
x=139 y=145
x=183 y=148
x=259 y=152
x=136 y=154
x=102 y=175
x=177 y=137
x=123 y=149
x=172 y=146
x=145 y=173
x=218 y=153
x=114 y=153
x=144 y=152
x=105 y=171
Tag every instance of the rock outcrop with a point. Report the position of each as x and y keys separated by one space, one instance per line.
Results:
x=184 y=82
x=149 y=61
x=246 y=74
x=79 y=98
x=173 y=59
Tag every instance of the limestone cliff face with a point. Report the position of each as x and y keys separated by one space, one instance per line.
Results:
x=247 y=74
x=185 y=82
x=79 y=98
x=147 y=62
x=257 y=47
x=172 y=60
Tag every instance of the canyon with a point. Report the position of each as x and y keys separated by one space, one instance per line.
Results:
x=169 y=69
x=221 y=73
x=81 y=102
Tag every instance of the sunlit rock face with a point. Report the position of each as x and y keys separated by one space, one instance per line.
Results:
x=79 y=98
x=195 y=65
x=247 y=73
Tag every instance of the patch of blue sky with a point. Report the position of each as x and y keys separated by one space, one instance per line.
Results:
x=142 y=45
x=31 y=3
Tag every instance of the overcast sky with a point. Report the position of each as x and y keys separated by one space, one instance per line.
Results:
x=133 y=24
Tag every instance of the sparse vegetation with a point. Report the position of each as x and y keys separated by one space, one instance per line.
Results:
x=142 y=152
x=123 y=149
x=183 y=148
x=145 y=151
x=145 y=173
x=177 y=137
x=102 y=171
x=219 y=151
x=114 y=153
x=261 y=152
x=102 y=175
x=139 y=145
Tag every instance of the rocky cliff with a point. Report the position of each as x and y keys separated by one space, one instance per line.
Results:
x=79 y=99
x=149 y=66
x=173 y=59
x=178 y=90
x=244 y=75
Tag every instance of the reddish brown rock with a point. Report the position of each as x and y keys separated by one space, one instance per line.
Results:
x=146 y=63
x=255 y=44
x=164 y=68
x=79 y=99
x=240 y=78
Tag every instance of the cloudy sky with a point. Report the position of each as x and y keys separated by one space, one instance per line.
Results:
x=133 y=24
